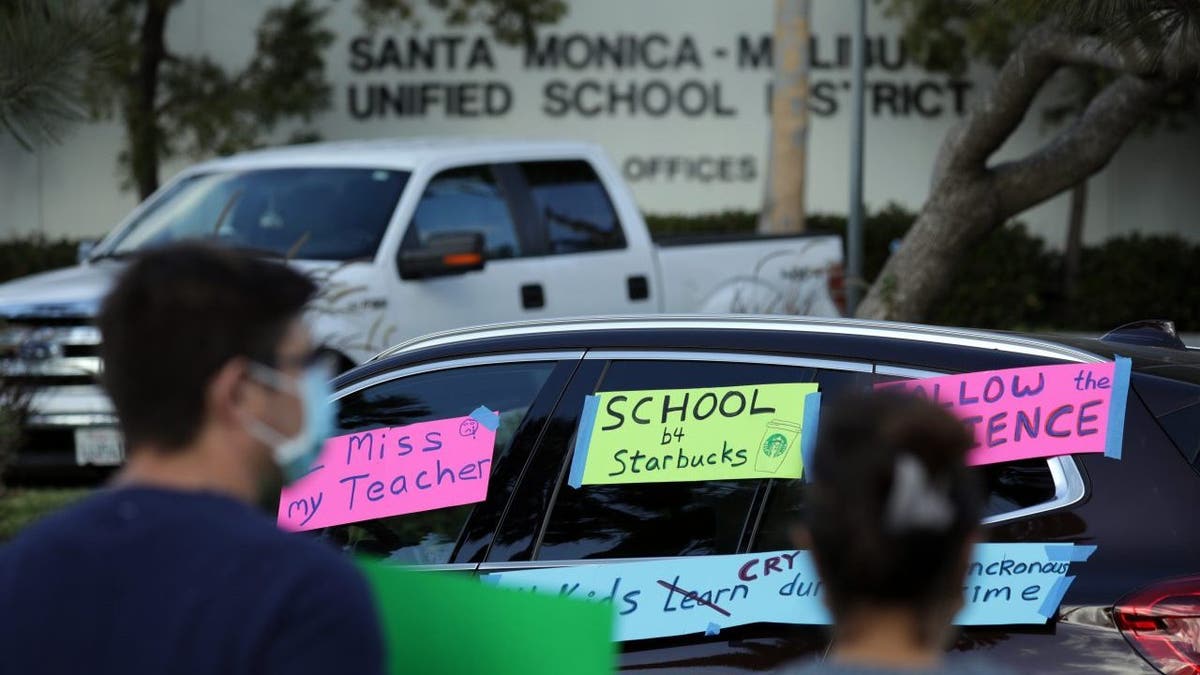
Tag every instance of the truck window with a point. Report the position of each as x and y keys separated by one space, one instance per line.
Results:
x=465 y=200
x=666 y=519
x=430 y=537
x=304 y=213
x=574 y=206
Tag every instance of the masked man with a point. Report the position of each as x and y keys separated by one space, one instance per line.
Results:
x=171 y=569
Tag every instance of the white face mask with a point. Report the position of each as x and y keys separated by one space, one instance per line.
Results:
x=294 y=456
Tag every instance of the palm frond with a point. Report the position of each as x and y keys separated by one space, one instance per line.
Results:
x=46 y=53
x=1165 y=33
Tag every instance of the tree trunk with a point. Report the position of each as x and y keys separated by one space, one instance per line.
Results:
x=969 y=198
x=783 y=206
x=141 y=119
x=1074 y=248
x=956 y=215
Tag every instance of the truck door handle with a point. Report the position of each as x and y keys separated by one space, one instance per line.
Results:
x=639 y=287
x=532 y=296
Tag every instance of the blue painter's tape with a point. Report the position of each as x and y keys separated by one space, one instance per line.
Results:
x=1058 y=552
x=808 y=432
x=1116 y=408
x=1082 y=553
x=1055 y=596
x=712 y=629
x=1071 y=552
x=489 y=419
x=583 y=439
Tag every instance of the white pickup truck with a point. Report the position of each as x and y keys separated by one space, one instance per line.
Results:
x=406 y=237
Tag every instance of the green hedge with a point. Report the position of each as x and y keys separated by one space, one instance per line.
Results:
x=724 y=222
x=1140 y=277
x=30 y=255
x=1012 y=281
x=1009 y=281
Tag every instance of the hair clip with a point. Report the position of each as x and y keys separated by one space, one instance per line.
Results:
x=915 y=503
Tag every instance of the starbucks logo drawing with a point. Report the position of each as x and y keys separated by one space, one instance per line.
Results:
x=778 y=438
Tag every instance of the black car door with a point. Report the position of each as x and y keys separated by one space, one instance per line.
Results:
x=1040 y=500
x=550 y=525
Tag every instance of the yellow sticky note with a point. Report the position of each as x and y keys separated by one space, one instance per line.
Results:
x=675 y=435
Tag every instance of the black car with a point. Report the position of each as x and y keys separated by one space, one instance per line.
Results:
x=1134 y=607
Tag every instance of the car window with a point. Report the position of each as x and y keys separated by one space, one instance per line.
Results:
x=304 y=213
x=1175 y=403
x=574 y=206
x=430 y=537
x=661 y=519
x=465 y=200
x=1009 y=486
x=1183 y=426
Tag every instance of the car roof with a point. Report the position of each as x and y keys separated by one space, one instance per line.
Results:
x=907 y=349
x=594 y=329
x=1172 y=363
x=898 y=348
x=396 y=153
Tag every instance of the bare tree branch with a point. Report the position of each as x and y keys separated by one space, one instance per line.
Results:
x=1094 y=51
x=1037 y=57
x=1080 y=150
x=1148 y=55
x=985 y=128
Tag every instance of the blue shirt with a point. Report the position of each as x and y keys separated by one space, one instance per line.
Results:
x=141 y=580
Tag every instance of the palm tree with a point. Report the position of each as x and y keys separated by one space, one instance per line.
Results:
x=783 y=205
x=48 y=52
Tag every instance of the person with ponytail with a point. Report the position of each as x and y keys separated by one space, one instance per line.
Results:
x=892 y=513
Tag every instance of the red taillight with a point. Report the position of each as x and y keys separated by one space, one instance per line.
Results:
x=1162 y=622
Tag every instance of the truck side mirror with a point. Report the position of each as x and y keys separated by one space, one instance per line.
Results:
x=84 y=251
x=442 y=255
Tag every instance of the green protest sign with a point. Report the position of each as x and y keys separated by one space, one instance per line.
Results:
x=438 y=623
x=717 y=433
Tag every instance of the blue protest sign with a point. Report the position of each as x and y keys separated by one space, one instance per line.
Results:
x=1005 y=584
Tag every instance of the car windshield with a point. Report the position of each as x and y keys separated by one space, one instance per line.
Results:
x=304 y=213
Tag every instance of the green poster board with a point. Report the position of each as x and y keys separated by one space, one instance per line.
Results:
x=437 y=622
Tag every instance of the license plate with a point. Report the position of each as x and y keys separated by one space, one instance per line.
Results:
x=102 y=447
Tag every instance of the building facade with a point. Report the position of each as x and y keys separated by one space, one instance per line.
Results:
x=677 y=91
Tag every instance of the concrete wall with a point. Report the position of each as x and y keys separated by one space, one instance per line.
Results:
x=74 y=188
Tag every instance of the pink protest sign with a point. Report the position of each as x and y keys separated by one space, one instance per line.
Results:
x=394 y=470
x=1038 y=411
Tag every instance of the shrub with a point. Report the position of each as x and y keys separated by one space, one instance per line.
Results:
x=14 y=408
x=724 y=222
x=1011 y=281
x=30 y=255
x=1137 y=277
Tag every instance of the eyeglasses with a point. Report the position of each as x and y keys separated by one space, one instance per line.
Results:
x=273 y=377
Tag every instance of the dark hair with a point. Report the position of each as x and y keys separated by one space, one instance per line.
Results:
x=866 y=552
x=178 y=314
